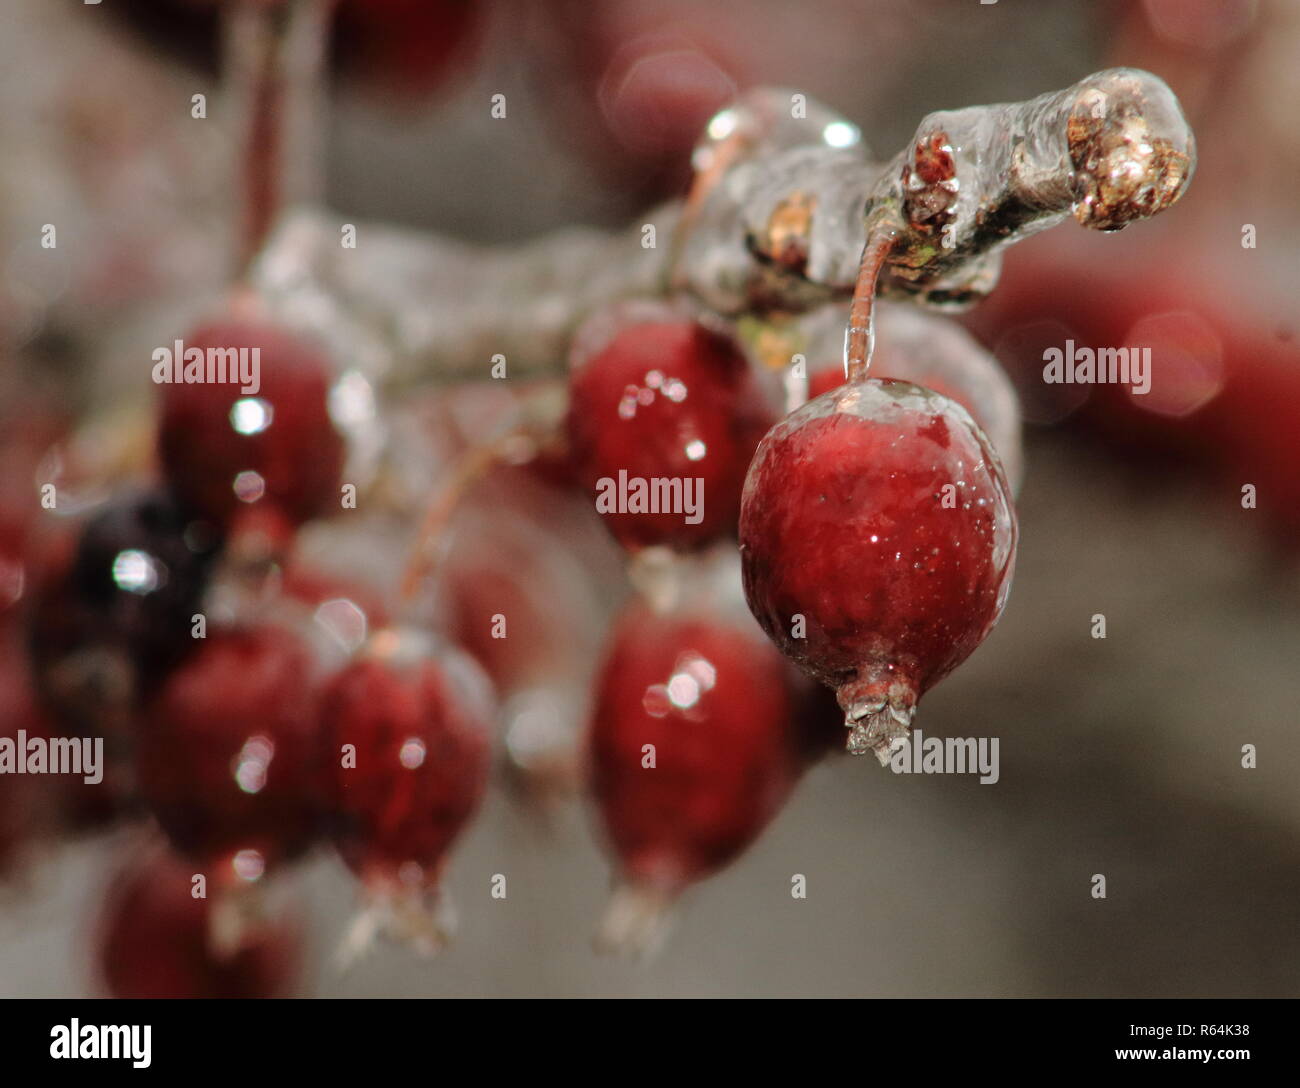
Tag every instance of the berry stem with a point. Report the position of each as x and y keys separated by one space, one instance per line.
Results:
x=860 y=336
x=471 y=467
x=272 y=64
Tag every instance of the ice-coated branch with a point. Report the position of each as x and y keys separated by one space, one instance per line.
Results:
x=787 y=230
x=777 y=221
x=1111 y=150
x=408 y=308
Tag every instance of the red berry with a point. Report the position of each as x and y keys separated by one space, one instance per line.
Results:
x=528 y=582
x=421 y=729
x=484 y=588
x=223 y=449
x=408 y=47
x=516 y=597
x=713 y=700
x=410 y=734
x=229 y=757
x=878 y=540
x=156 y=941
x=667 y=398
x=1224 y=377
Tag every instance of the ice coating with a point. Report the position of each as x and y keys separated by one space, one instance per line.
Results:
x=770 y=225
x=406 y=308
x=770 y=169
x=933 y=352
x=731 y=257
x=877 y=540
x=1112 y=149
x=769 y=119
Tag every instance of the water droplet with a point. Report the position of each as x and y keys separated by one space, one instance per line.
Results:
x=249 y=486
x=412 y=753
x=137 y=572
x=251 y=415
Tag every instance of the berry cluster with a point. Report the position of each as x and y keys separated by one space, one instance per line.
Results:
x=258 y=702
x=261 y=706
x=179 y=618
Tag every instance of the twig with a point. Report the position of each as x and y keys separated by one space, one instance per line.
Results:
x=472 y=466
x=783 y=231
x=272 y=62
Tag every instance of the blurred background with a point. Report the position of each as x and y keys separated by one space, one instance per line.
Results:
x=1120 y=756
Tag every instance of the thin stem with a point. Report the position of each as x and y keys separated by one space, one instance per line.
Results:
x=860 y=337
x=273 y=57
x=248 y=46
x=473 y=465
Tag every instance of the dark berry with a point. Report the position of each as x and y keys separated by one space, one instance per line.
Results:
x=111 y=614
